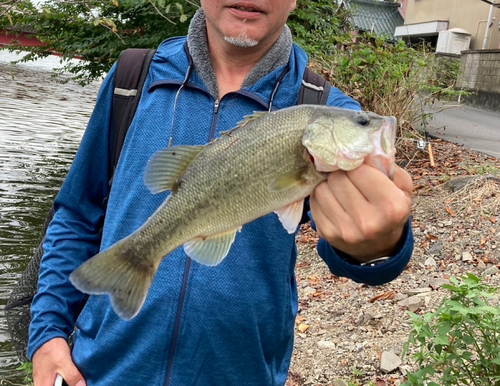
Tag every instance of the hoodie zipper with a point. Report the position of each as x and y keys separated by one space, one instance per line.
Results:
x=214 y=120
x=175 y=335
x=187 y=270
x=187 y=267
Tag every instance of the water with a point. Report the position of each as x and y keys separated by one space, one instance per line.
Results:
x=41 y=125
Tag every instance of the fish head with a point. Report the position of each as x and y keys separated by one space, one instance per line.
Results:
x=344 y=139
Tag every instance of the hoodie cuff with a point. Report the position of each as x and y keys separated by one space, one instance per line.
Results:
x=379 y=272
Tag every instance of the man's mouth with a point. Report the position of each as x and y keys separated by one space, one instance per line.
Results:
x=246 y=8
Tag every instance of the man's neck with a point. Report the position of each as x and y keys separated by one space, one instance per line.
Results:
x=232 y=64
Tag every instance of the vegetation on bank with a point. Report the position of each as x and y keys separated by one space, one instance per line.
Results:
x=458 y=343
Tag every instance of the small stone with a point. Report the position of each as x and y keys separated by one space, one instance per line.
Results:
x=400 y=296
x=435 y=249
x=493 y=270
x=389 y=362
x=413 y=303
x=417 y=291
x=339 y=382
x=466 y=256
x=437 y=282
x=326 y=344
x=430 y=262
x=309 y=290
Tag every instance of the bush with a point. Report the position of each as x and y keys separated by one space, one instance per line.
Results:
x=388 y=78
x=459 y=343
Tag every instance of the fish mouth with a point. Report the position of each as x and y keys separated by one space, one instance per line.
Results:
x=377 y=149
x=383 y=158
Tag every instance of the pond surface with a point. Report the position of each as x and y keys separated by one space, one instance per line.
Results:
x=41 y=125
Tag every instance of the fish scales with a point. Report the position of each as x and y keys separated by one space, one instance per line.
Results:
x=266 y=164
x=225 y=183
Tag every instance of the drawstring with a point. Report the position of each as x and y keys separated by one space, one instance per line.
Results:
x=276 y=87
x=184 y=82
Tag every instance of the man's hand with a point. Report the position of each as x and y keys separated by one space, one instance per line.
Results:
x=362 y=212
x=52 y=358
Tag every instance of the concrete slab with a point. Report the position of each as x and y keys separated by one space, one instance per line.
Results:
x=474 y=128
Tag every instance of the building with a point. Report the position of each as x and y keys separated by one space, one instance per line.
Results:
x=379 y=17
x=452 y=25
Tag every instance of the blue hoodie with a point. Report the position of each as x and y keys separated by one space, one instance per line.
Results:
x=227 y=325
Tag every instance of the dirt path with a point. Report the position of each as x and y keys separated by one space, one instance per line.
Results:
x=343 y=327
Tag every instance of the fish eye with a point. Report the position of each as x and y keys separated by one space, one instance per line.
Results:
x=363 y=120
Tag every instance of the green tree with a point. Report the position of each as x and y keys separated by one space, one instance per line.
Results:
x=95 y=31
x=319 y=26
x=98 y=31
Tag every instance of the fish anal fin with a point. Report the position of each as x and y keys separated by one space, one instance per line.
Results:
x=166 y=166
x=290 y=215
x=210 y=250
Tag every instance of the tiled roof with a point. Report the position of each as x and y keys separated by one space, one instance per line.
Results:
x=377 y=16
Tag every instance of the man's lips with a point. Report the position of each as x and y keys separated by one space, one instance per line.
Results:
x=245 y=10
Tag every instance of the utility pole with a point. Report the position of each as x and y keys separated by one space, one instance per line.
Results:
x=488 y=25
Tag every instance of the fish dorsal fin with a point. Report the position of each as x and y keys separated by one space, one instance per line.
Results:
x=290 y=215
x=252 y=117
x=287 y=180
x=210 y=250
x=167 y=165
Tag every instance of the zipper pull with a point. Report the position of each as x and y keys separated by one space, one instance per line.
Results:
x=216 y=106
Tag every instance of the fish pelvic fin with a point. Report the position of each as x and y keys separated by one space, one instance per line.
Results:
x=166 y=166
x=290 y=215
x=116 y=273
x=210 y=250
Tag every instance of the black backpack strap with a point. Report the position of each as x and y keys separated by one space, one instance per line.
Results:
x=315 y=89
x=130 y=75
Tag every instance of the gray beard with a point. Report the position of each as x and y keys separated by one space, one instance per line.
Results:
x=242 y=40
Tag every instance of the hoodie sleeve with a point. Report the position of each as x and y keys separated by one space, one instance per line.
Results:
x=74 y=233
x=337 y=98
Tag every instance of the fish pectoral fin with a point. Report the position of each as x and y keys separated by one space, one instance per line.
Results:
x=166 y=166
x=290 y=215
x=210 y=250
x=287 y=180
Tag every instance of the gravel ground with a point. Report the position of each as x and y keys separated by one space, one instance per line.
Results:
x=343 y=327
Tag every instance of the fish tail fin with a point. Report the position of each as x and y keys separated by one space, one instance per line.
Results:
x=115 y=272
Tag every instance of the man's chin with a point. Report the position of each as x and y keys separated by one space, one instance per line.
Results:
x=241 y=40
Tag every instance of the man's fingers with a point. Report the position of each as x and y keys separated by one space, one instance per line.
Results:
x=52 y=358
x=403 y=180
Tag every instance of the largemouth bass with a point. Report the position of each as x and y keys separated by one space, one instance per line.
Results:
x=269 y=163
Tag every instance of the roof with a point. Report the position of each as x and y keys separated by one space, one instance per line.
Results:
x=381 y=17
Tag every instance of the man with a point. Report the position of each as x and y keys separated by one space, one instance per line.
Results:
x=228 y=325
